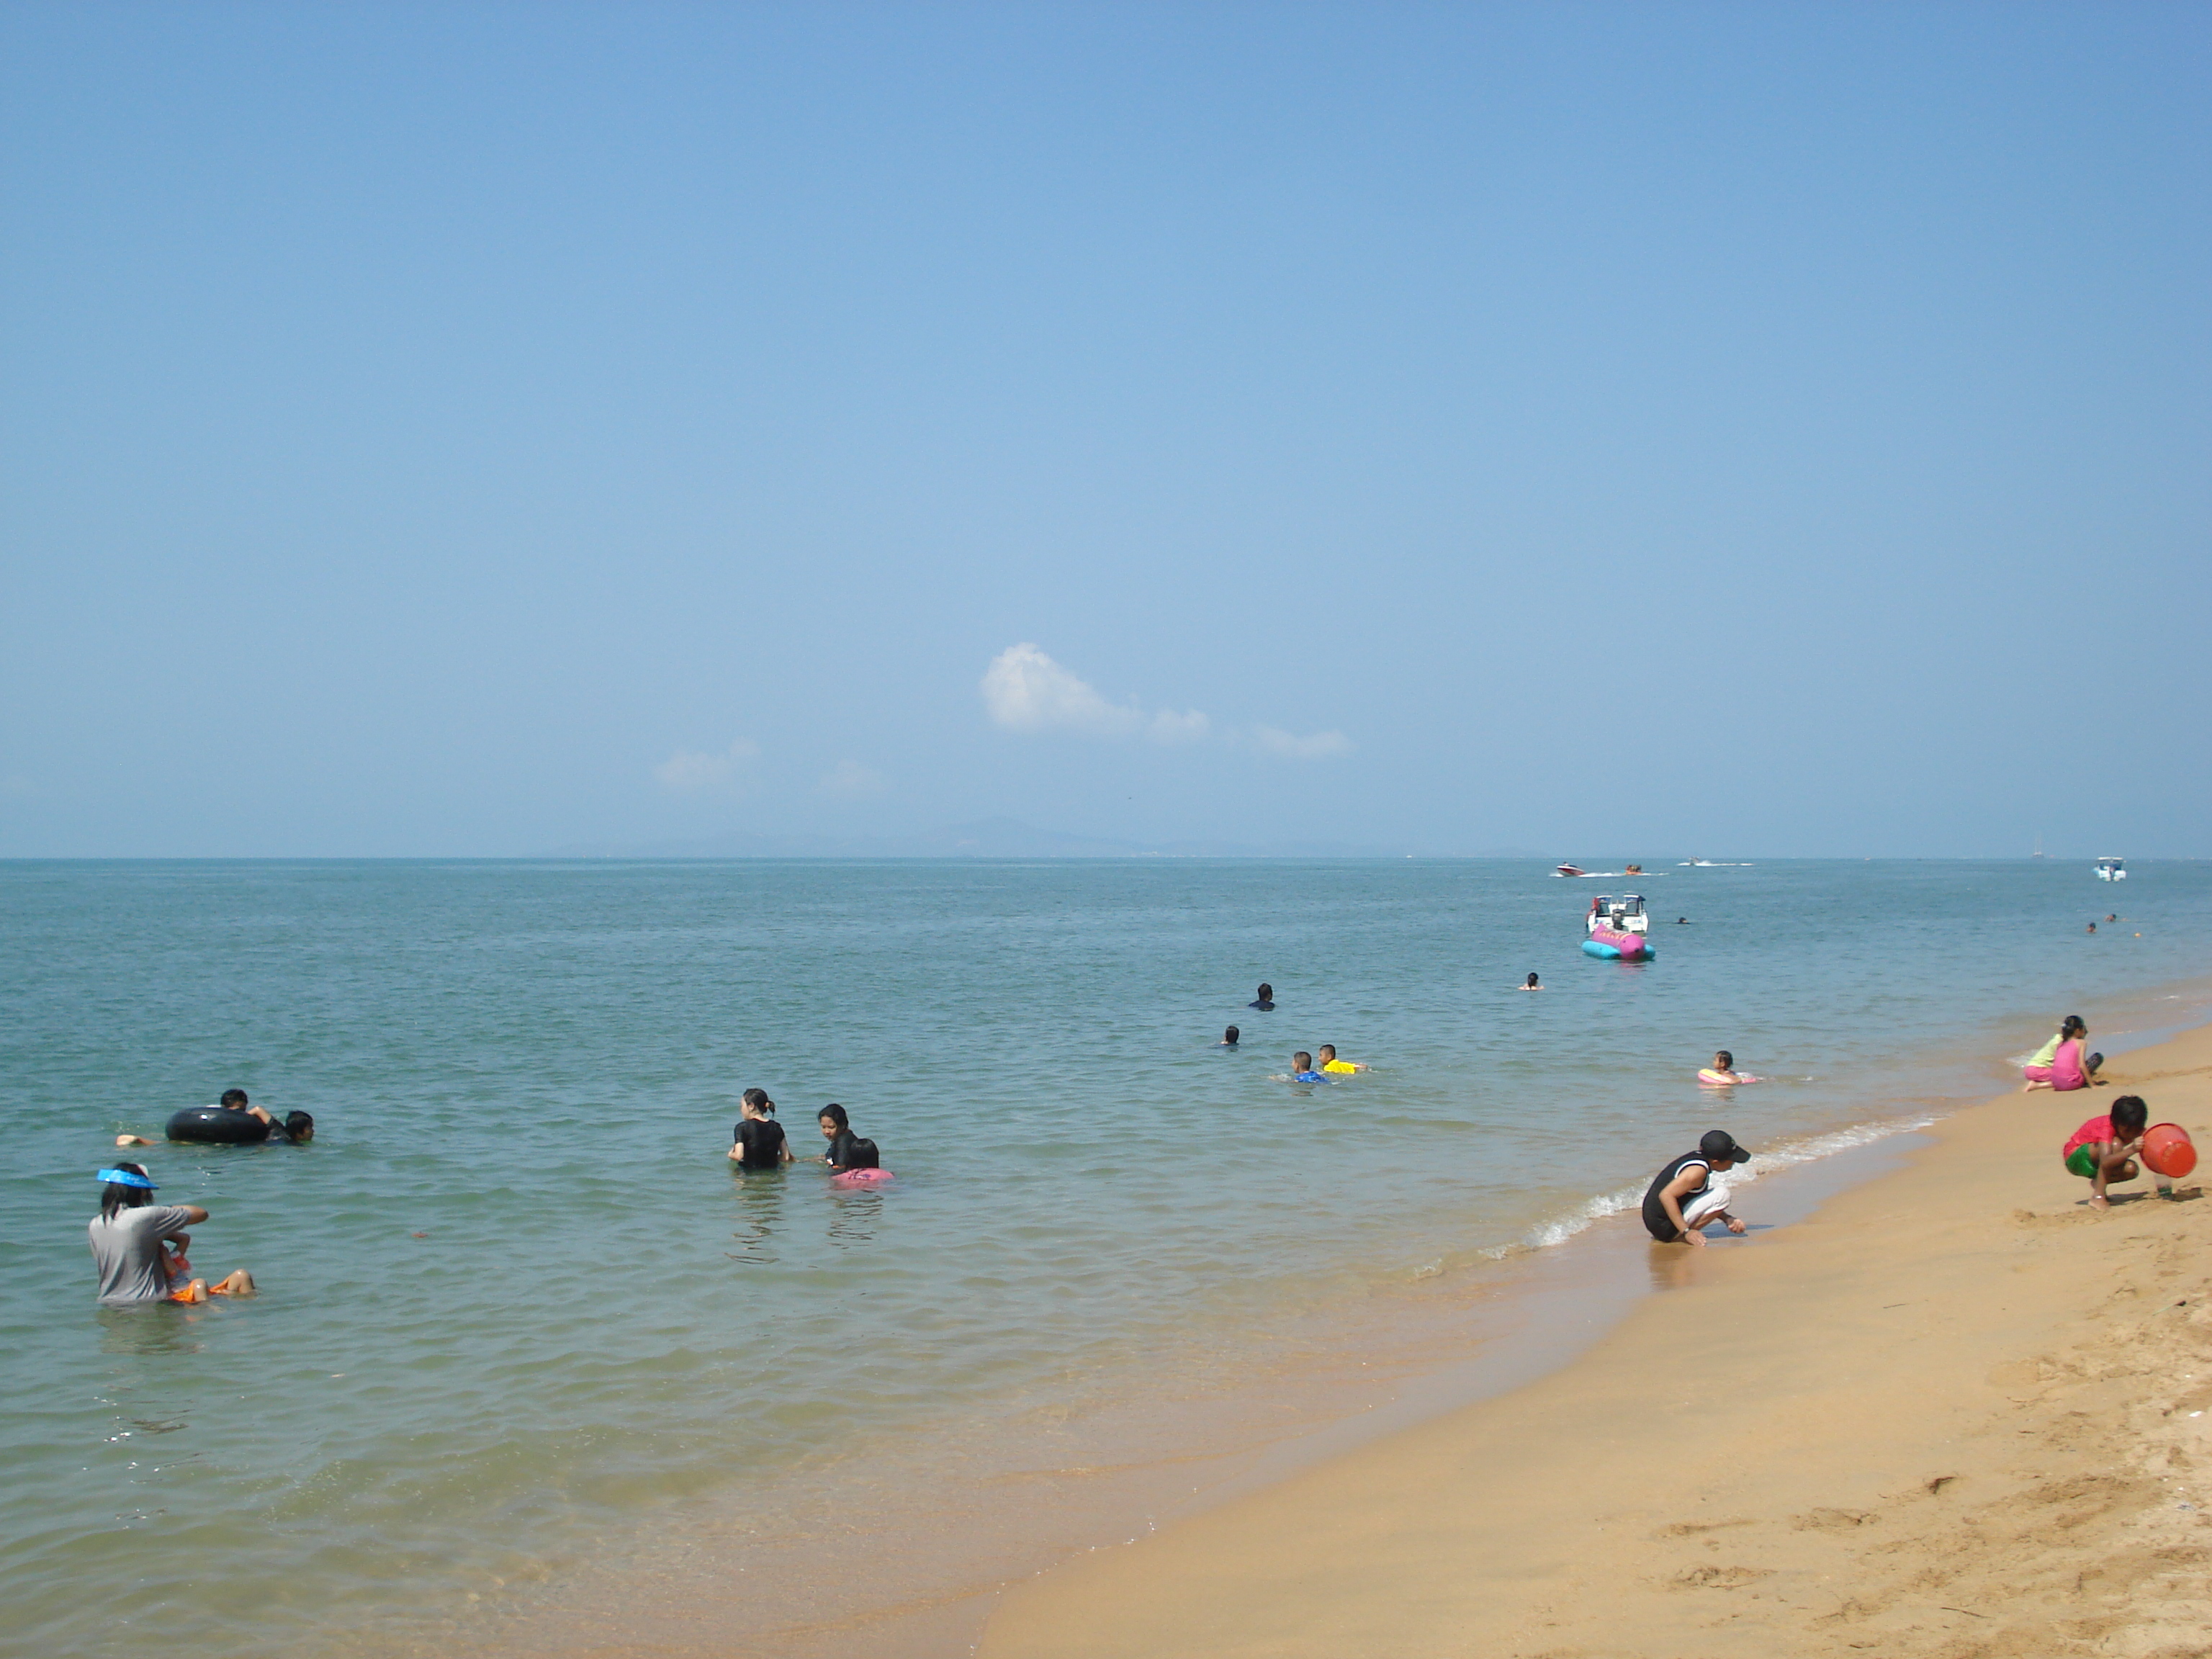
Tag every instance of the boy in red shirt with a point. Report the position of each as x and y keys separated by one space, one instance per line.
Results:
x=2104 y=1149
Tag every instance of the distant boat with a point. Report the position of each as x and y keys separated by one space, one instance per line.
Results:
x=2037 y=853
x=2112 y=869
x=1570 y=870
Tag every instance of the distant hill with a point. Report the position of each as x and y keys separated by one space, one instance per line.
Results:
x=989 y=838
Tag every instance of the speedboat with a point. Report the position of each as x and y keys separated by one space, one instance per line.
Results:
x=1570 y=870
x=1618 y=929
x=2112 y=869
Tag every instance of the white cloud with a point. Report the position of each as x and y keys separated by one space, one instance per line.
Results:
x=1168 y=726
x=687 y=771
x=1320 y=746
x=852 y=782
x=1026 y=691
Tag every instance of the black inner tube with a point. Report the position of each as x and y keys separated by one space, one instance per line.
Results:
x=217 y=1126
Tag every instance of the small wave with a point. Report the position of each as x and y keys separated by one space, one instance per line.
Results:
x=1784 y=1156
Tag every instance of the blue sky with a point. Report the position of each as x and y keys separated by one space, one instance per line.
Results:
x=1606 y=430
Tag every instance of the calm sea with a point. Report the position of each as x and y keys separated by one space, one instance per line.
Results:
x=518 y=1317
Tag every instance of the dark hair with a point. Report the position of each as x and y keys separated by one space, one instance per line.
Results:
x=1726 y=1059
x=755 y=1097
x=299 y=1125
x=1532 y=979
x=1266 y=990
x=1229 y=1036
x=114 y=1195
x=234 y=1097
x=2129 y=1115
x=835 y=1114
x=2071 y=1026
x=1302 y=1061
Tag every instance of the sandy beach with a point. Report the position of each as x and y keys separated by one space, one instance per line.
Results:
x=1955 y=1412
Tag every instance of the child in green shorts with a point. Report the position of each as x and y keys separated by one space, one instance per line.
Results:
x=2104 y=1149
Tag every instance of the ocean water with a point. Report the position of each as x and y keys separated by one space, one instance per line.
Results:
x=519 y=1317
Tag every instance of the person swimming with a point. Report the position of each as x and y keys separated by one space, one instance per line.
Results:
x=1722 y=1072
x=1329 y=1062
x=297 y=1127
x=1265 y=1002
x=845 y=1151
x=234 y=1100
x=758 y=1141
x=1229 y=1038
x=1302 y=1069
x=139 y=1246
x=1533 y=984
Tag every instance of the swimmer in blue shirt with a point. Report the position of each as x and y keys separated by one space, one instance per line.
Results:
x=1302 y=1069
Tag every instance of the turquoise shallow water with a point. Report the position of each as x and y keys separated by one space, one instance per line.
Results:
x=514 y=1302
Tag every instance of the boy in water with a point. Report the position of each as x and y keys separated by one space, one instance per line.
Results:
x=1329 y=1062
x=759 y=1142
x=2105 y=1149
x=1684 y=1199
x=1302 y=1069
x=1265 y=1002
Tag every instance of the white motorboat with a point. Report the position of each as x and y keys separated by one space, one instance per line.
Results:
x=2112 y=869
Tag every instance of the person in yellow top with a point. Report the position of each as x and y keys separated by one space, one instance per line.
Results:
x=1329 y=1062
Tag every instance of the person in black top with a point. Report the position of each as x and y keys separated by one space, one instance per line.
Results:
x=759 y=1144
x=1684 y=1197
x=1265 y=1002
x=845 y=1151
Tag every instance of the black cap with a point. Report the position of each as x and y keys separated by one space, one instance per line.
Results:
x=1719 y=1142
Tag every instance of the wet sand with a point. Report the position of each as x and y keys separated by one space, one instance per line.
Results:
x=1951 y=1414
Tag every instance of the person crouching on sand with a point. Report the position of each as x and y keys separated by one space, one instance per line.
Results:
x=1684 y=1199
x=2060 y=1064
x=2105 y=1149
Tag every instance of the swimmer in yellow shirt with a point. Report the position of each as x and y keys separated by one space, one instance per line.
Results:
x=1329 y=1062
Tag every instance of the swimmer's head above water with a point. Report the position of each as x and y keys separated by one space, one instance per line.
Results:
x=1265 y=998
x=1533 y=984
x=833 y=1121
x=1229 y=1038
x=1723 y=1060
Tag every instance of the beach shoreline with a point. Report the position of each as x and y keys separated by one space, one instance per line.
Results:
x=1947 y=1414
x=1056 y=1499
